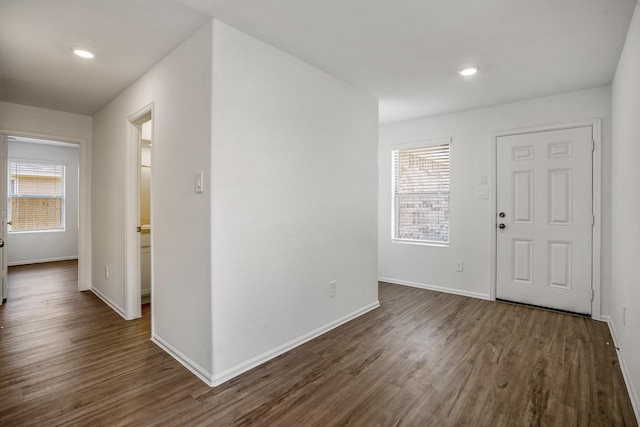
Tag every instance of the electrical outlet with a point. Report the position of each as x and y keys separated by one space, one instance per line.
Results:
x=332 y=289
x=624 y=315
x=458 y=265
x=106 y=271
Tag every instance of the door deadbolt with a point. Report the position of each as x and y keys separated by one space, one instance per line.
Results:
x=501 y=215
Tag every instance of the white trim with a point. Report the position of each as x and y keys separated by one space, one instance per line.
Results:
x=115 y=307
x=444 y=289
x=39 y=261
x=421 y=243
x=492 y=202
x=84 y=203
x=596 y=253
x=624 y=367
x=596 y=257
x=132 y=298
x=185 y=361
x=268 y=355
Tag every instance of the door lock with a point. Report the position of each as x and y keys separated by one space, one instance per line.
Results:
x=501 y=226
x=501 y=215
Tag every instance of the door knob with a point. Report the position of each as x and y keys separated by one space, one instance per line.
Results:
x=501 y=225
x=1 y=243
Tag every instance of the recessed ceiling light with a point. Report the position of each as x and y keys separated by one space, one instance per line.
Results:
x=468 y=71
x=83 y=52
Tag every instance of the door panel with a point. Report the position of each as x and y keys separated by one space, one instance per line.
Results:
x=559 y=262
x=559 y=197
x=544 y=191
x=523 y=197
x=522 y=261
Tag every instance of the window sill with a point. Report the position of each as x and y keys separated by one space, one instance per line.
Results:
x=57 y=230
x=420 y=243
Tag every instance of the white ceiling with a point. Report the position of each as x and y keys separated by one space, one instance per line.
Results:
x=404 y=52
x=37 y=67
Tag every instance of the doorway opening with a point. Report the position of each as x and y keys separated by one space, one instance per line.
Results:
x=40 y=208
x=139 y=214
x=145 y=213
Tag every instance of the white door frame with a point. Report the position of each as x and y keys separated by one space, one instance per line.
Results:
x=132 y=297
x=84 y=207
x=596 y=125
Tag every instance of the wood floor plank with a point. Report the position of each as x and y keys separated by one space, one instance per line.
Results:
x=422 y=359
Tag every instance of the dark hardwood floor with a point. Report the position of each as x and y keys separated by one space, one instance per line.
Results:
x=42 y=280
x=422 y=359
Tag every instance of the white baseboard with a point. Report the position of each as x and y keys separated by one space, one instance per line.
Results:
x=109 y=302
x=435 y=288
x=196 y=369
x=633 y=394
x=40 y=261
x=268 y=355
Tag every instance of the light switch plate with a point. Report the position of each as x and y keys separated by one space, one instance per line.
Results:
x=199 y=182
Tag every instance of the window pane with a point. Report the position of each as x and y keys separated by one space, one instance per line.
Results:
x=36 y=196
x=422 y=170
x=423 y=217
x=37 y=178
x=421 y=193
x=31 y=214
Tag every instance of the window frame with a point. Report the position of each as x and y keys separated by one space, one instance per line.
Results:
x=394 y=209
x=62 y=198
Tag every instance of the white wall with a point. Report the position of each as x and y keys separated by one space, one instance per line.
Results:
x=180 y=89
x=294 y=160
x=21 y=120
x=28 y=248
x=470 y=218
x=625 y=251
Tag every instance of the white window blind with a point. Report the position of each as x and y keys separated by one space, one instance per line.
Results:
x=421 y=194
x=36 y=196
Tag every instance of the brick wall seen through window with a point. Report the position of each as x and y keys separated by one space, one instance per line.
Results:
x=421 y=194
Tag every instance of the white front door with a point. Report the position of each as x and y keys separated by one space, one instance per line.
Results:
x=545 y=219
